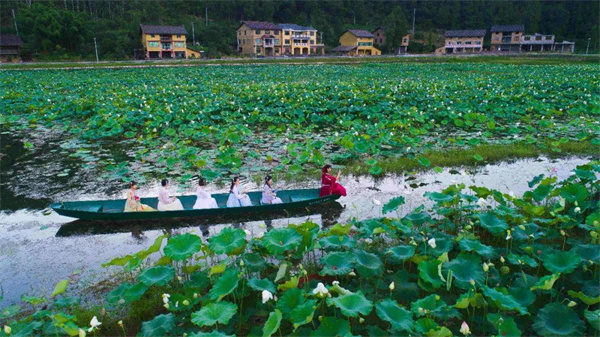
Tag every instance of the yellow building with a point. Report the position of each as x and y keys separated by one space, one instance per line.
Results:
x=507 y=37
x=464 y=41
x=269 y=39
x=164 y=42
x=356 y=42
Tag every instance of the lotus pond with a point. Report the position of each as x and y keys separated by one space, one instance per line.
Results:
x=476 y=261
x=139 y=123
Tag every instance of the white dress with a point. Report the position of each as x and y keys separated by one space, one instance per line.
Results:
x=166 y=203
x=205 y=200
x=269 y=197
x=237 y=199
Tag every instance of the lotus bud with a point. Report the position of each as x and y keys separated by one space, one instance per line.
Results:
x=468 y=227
x=361 y=320
x=576 y=203
x=501 y=258
x=300 y=266
x=420 y=310
x=577 y=210
x=7 y=329
x=196 y=295
x=81 y=332
x=464 y=329
x=121 y=301
x=472 y=282
x=320 y=318
x=392 y=286
x=186 y=302
x=179 y=278
x=266 y=296
x=166 y=305
x=505 y=270
x=437 y=297
x=486 y=268
x=562 y=232
x=594 y=234
x=522 y=227
x=241 y=263
x=431 y=242
x=352 y=273
x=120 y=323
x=571 y=304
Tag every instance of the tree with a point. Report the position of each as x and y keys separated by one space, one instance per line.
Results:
x=395 y=28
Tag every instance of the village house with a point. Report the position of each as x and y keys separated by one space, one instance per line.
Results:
x=10 y=45
x=545 y=43
x=464 y=41
x=506 y=37
x=380 y=39
x=269 y=39
x=166 y=42
x=356 y=42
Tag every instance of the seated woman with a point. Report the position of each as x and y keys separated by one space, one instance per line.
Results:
x=205 y=200
x=133 y=203
x=166 y=203
x=269 y=196
x=237 y=198
x=329 y=183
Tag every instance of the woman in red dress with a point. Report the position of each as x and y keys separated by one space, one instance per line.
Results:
x=329 y=184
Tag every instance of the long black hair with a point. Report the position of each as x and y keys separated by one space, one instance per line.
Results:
x=132 y=183
x=267 y=178
x=201 y=182
x=236 y=178
x=164 y=182
x=325 y=168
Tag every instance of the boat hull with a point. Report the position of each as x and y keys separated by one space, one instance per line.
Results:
x=114 y=209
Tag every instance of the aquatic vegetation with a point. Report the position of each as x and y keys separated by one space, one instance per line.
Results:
x=251 y=119
x=507 y=266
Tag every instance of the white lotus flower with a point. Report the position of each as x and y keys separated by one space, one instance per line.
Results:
x=320 y=290
x=94 y=323
x=464 y=329
x=481 y=202
x=577 y=210
x=7 y=330
x=165 y=298
x=266 y=296
x=392 y=286
x=376 y=202
x=81 y=332
x=431 y=242
x=336 y=283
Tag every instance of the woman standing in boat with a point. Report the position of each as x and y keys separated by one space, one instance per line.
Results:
x=329 y=183
x=205 y=200
x=237 y=198
x=133 y=203
x=165 y=202
x=269 y=195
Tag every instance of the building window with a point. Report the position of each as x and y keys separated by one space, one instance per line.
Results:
x=151 y=35
x=244 y=32
x=276 y=41
x=166 y=46
x=312 y=33
x=478 y=42
x=267 y=32
x=459 y=42
x=468 y=42
x=257 y=31
x=178 y=36
x=516 y=38
x=287 y=32
x=548 y=37
x=287 y=41
x=312 y=41
x=527 y=38
x=179 y=44
x=538 y=38
x=239 y=41
x=257 y=41
x=153 y=44
x=258 y=50
x=404 y=40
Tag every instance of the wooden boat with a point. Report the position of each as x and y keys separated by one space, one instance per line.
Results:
x=114 y=209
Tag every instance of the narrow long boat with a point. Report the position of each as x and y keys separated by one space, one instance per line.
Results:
x=114 y=209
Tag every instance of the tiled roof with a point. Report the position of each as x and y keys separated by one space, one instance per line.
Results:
x=10 y=40
x=166 y=30
x=507 y=28
x=360 y=33
x=293 y=26
x=260 y=25
x=465 y=33
x=344 y=48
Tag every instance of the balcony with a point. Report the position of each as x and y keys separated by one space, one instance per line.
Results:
x=300 y=37
x=300 y=44
x=165 y=39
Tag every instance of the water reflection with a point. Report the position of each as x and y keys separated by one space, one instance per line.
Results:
x=329 y=215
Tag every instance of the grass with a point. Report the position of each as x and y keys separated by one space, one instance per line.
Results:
x=456 y=157
x=525 y=59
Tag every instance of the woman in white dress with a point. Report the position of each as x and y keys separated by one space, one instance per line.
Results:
x=205 y=200
x=133 y=203
x=237 y=198
x=269 y=195
x=166 y=203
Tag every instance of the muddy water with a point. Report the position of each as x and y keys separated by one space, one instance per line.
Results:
x=37 y=251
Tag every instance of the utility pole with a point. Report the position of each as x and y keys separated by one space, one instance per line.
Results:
x=206 y=14
x=15 y=20
x=96 y=47
x=193 y=34
x=414 y=14
x=587 y=49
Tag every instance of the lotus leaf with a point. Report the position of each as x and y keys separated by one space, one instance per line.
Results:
x=425 y=325
x=158 y=326
x=332 y=327
x=352 y=304
x=523 y=295
x=60 y=287
x=272 y=324
x=588 y=300
x=492 y=223
x=229 y=241
x=574 y=192
x=429 y=272
x=556 y=319
x=505 y=325
x=431 y=303
x=182 y=246
x=439 y=197
x=418 y=218
x=593 y=318
x=335 y=242
x=337 y=263
x=474 y=245
x=214 y=313
x=588 y=252
x=303 y=314
x=213 y=333
x=225 y=285
x=290 y=284
x=289 y=301
x=503 y=301
x=278 y=241
x=466 y=267
x=260 y=285
x=393 y=204
x=546 y=282
x=400 y=318
x=367 y=264
x=402 y=253
x=158 y=275
x=254 y=262
x=561 y=261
